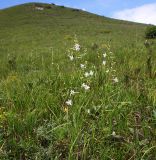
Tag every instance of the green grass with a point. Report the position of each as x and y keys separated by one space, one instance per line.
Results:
x=109 y=121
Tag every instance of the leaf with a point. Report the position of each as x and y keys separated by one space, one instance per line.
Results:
x=154 y=114
x=143 y=142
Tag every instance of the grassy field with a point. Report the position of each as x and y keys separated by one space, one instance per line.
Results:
x=74 y=85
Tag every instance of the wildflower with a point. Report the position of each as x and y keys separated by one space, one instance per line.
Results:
x=113 y=133
x=86 y=74
x=82 y=66
x=69 y=102
x=85 y=86
x=72 y=92
x=66 y=109
x=116 y=80
x=104 y=63
x=107 y=70
x=77 y=47
x=104 y=55
x=88 y=111
x=91 y=73
x=71 y=57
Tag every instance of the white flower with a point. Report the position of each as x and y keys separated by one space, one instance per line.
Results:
x=104 y=63
x=91 y=73
x=82 y=66
x=86 y=74
x=85 y=86
x=116 y=80
x=72 y=92
x=113 y=133
x=71 y=57
x=107 y=70
x=69 y=102
x=104 y=55
x=88 y=111
x=77 y=47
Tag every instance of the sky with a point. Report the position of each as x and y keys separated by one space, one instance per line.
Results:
x=143 y=11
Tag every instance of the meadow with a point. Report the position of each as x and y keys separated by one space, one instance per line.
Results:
x=75 y=85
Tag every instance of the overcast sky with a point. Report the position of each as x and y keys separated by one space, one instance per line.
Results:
x=134 y=10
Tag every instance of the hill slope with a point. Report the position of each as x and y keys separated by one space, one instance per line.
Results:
x=24 y=28
x=74 y=85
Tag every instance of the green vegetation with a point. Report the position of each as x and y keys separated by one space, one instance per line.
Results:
x=151 y=32
x=74 y=85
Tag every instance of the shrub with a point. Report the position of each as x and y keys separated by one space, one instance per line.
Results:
x=48 y=6
x=150 y=32
x=77 y=10
x=62 y=6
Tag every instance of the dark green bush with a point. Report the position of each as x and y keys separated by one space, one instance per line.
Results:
x=75 y=10
x=62 y=6
x=150 y=32
x=48 y=6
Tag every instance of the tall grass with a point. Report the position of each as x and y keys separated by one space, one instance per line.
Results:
x=82 y=108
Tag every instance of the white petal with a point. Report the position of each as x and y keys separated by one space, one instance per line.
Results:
x=104 y=55
x=69 y=102
x=104 y=63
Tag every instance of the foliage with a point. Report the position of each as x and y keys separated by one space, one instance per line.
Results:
x=150 y=32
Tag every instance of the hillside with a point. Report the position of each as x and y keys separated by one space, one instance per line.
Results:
x=23 y=29
x=75 y=85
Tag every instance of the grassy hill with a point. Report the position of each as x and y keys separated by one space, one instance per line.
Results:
x=24 y=29
x=46 y=109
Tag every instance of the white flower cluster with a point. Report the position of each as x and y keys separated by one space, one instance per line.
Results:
x=73 y=50
x=87 y=73
x=75 y=55
x=77 y=47
x=69 y=102
x=104 y=61
x=113 y=70
x=111 y=67
x=85 y=86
